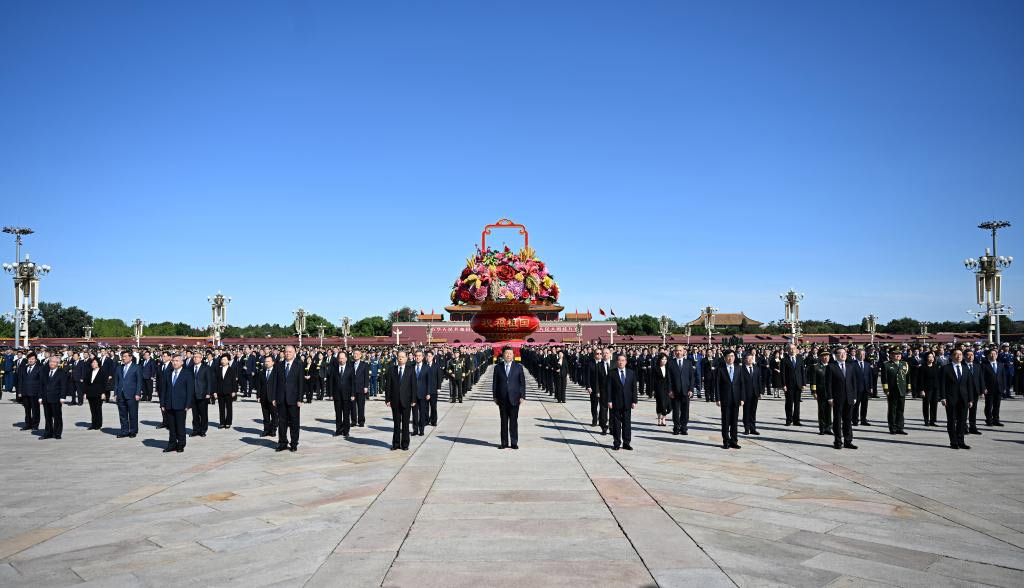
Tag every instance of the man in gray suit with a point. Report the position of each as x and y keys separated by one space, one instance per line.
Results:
x=128 y=392
x=509 y=391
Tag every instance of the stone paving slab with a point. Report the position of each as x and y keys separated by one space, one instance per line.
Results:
x=785 y=510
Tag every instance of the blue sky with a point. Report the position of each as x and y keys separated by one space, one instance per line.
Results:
x=664 y=155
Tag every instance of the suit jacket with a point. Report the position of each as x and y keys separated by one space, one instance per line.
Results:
x=730 y=392
x=977 y=381
x=360 y=376
x=792 y=376
x=94 y=387
x=956 y=390
x=681 y=380
x=424 y=381
x=842 y=387
x=108 y=367
x=341 y=382
x=401 y=392
x=291 y=385
x=995 y=380
x=865 y=375
x=55 y=387
x=225 y=385
x=749 y=383
x=148 y=368
x=202 y=381
x=127 y=384
x=266 y=387
x=179 y=394
x=621 y=393
x=30 y=383
x=662 y=384
x=511 y=388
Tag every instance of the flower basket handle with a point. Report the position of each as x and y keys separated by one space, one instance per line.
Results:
x=503 y=224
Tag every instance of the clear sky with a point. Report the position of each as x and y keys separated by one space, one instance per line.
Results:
x=664 y=155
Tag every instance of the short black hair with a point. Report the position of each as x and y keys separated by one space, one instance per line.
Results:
x=507 y=348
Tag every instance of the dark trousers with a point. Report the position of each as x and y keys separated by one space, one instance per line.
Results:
x=400 y=417
x=622 y=425
x=792 y=405
x=560 y=384
x=730 y=416
x=680 y=412
x=602 y=411
x=31 y=404
x=54 y=418
x=200 y=416
x=956 y=421
x=96 y=411
x=750 y=414
x=128 y=411
x=419 y=415
x=972 y=416
x=342 y=414
x=595 y=403
x=359 y=407
x=860 y=408
x=269 y=416
x=895 y=414
x=224 y=410
x=79 y=393
x=842 y=421
x=455 y=390
x=930 y=407
x=175 y=421
x=287 y=422
x=992 y=402
x=432 y=410
x=824 y=415
x=147 y=389
x=509 y=415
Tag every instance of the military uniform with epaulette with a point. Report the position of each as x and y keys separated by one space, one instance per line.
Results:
x=895 y=379
x=456 y=374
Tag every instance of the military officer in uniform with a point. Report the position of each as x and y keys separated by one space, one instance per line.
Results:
x=819 y=390
x=456 y=372
x=895 y=380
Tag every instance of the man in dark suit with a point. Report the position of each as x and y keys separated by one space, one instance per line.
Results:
x=682 y=380
x=202 y=388
x=265 y=382
x=161 y=379
x=793 y=384
x=730 y=398
x=79 y=368
x=995 y=387
x=425 y=390
x=360 y=387
x=290 y=388
x=149 y=373
x=595 y=385
x=508 y=388
x=341 y=385
x=865 y=384
x=128 y=392
x=29 y=387
x=55 y=387
x=621 y=386
x=750 y=386
x=176 y=398
x=842 y=394
x=108 y=368
x=977 y=389
x=435 y=377
x=400 y=397
x=956 y=390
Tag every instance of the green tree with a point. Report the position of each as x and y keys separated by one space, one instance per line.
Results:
x=402 y=315
x=905 y=325
x=371 y=326
x=58 y=321
x=102 y=327
x=643 y=324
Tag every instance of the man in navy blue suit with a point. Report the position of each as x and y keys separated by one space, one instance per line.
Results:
x=176 y=398
x=29 y=385
x=509 y=390
x=622 y=397
x=202 y=387
x=128 y=392
x=55 y=387
x=842 y=394
x=683 y=379
x=425 y=390
x=730 y=399
x=291 y=385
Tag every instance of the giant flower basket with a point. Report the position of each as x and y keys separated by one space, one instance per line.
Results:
x=505 y=284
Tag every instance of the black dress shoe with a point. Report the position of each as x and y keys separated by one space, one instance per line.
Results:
x=336 y=433
x=837 y=445
x=755 y=432
x=974 y=432
x=47 y=436
x=675 y=432
x=615 y=447
x=180 y=450
x=997 y=424
x=131 y=435
x=169 y=449
x=964 y=446
x=865 y=423
x=627 y=447
x=56 y=436
x=849 y=446
x=734 y=445
x=746 y=432
x=121 y=435
x=503 y=446
x=25 y=428
x=393 y=448
x=293 y=449
x=954 y=446
x=683 y=432
x=280 y=448
x=901 y=432
x=725 y=446
x=406 y=448
x=514 y=446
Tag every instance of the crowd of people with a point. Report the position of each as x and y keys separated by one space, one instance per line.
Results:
x=841 y=382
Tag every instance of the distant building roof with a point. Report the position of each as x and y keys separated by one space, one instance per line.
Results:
x=726 y=319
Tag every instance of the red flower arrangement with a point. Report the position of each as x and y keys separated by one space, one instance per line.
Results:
x=505 y=276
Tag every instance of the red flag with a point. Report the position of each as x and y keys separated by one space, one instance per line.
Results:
x=601 y=310
x=612 y=310
x=421 y=311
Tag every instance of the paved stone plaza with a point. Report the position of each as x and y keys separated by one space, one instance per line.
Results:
x=786 y=509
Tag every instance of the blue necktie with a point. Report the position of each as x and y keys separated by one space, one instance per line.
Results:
x=174 y=379
x=622 y=378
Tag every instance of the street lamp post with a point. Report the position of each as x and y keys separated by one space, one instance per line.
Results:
x=88 y=332
x=26 y=285
x=320 y=331
x=792 y=300
x=611 y=333
x=346 y=329
x=924 y=327
x=300 y=323
x=989 y=282
x=137 y=331
x=398 y=337
x=709 y=320
x=688 y=330
x=871 y=322
x=579 y=332
x=430 y=332
x=219 y=306
x=663 y=328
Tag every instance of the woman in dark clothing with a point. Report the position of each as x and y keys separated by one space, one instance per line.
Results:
x=928 y=384
x=660 y=384
x=561 y=376
x=95 y=383
x=225 y=386
x=775 y=365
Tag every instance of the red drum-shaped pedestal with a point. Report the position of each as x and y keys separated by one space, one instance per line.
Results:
x=504 y=321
